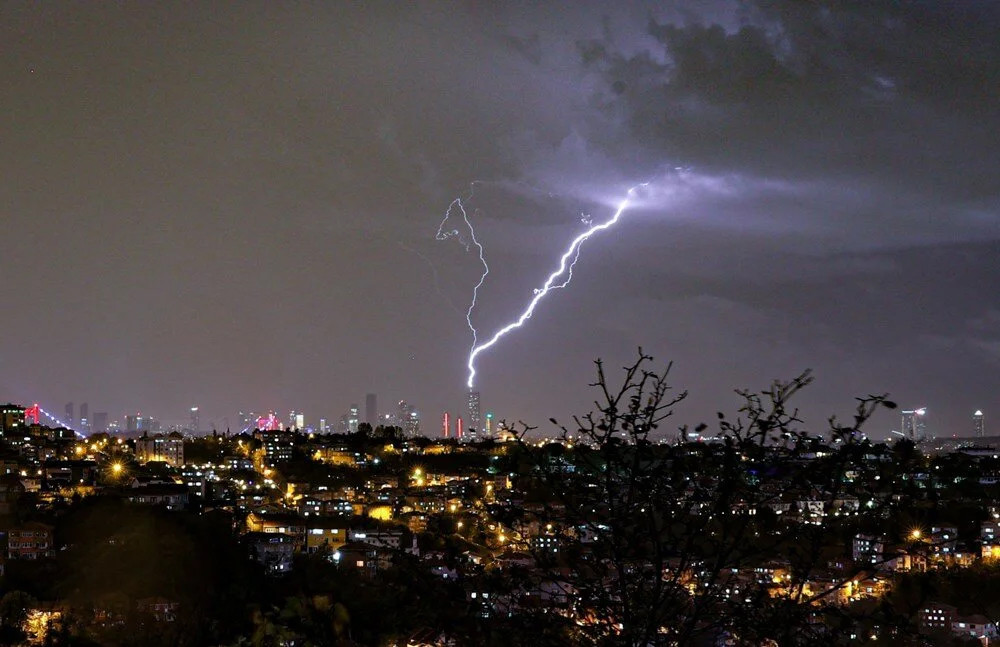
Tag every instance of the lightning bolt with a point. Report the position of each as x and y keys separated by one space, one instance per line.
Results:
x=442 y=234
x=565 y=269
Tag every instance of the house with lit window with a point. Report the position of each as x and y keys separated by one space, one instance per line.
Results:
x=360 y=556
x=32 y=540
x=937 y=617
x=978 y=627
x=325 y=533
x=273 y=550
x=283 y=523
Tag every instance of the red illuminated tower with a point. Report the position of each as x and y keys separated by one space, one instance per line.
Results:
x=458 y=429
x=269 y=423
x=445 y=425
x=31 y=413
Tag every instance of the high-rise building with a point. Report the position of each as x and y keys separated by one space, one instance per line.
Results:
x=278 y=446
x=168 y=449
x=100 y=424
x=371 y=409
x=68 y=415
x=195 y=419
x=407 y=418
x=353 y=419
x=474 y=417
x=489 y=424
x=445 y=425
x=979 y=423
x=84 y=418
x=914 y=423
x=139 y=422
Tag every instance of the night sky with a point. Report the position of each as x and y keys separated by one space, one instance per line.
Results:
x=235 y=205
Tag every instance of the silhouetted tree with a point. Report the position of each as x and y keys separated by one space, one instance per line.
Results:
x=643 y=542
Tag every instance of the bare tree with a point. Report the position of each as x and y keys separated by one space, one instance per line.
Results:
x=742 y=536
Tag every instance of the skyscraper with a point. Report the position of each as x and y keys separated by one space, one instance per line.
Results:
x=407 y=418
x=914 y=423
x=139 y=422
x=195 y=419
x=475 y=420
x=68 y=417
x=84 y=418
x=371 y=410
x=979 y=424
x=353 y=418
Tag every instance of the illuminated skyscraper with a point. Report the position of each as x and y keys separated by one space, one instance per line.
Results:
x=138 y=422
x=475 y=420
x=353 y=419
x=68 y=417
x=914 y=423
x=407 y=418
x=979 y=423
x=195 y=419
x=84 y=418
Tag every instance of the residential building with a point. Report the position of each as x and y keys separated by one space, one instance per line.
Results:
x=167 y=448
x=32 y=540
